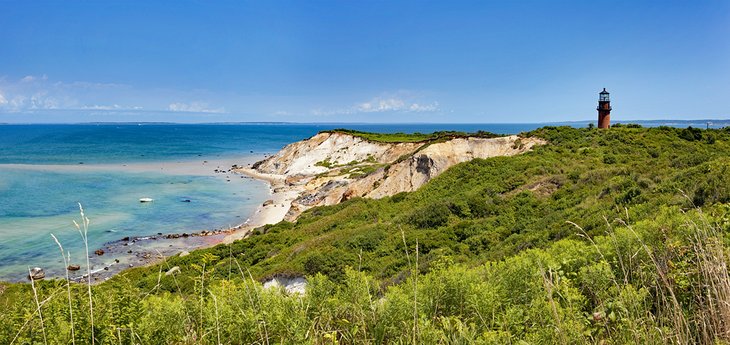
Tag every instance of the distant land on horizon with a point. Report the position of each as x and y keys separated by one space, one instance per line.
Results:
x=715 y=123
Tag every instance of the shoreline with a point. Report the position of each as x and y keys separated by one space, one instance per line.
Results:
x=271 y=211
x=153 y=247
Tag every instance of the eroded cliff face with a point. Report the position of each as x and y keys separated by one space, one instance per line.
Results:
x=332 y=167
x=322 y=152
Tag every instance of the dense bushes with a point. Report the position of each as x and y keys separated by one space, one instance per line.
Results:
x=654 y=282
x=510 y=203
x=430 y=216
x=498 y=259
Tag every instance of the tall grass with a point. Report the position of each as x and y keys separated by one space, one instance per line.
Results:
x=83 y=230
x=66 y=262
x=38 y=305
x=624 y=287
x=713 y=297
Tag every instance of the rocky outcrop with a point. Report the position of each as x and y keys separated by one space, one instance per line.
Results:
x=292 y=285
x=36 y=273
x=332 y=167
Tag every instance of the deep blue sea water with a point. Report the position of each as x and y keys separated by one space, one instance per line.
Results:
x=41 y=195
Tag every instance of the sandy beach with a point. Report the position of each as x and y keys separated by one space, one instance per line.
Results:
x=273 y=210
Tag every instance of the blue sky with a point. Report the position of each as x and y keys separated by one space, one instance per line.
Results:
x=362 y=61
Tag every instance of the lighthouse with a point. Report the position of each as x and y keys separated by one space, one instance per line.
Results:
x=604 y=109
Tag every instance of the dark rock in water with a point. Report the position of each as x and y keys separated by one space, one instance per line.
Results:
x=116 y=260
x=106 y=268
x=159 y=233
x=73 y=267
x=99 y=252
x=129 y=252
x=185 y=200
x=184 y=234
x=126 y=238
x=36 y=273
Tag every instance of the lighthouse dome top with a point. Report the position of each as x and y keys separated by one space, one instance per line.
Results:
x=603 y=95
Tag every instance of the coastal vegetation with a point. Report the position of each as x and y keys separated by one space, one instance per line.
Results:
x=600 y=236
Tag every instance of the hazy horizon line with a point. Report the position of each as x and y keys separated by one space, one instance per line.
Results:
x=349 y=123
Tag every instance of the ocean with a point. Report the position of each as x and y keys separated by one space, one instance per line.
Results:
x=47 y=170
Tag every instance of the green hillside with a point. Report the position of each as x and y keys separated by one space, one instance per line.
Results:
x=601 y=236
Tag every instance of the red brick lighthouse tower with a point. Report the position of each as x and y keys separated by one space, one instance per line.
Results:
x=604 y=109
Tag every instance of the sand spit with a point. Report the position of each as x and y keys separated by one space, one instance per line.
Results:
x=201 y=167
x=273 y=210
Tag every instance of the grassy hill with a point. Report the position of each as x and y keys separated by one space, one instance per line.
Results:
x=600 y=236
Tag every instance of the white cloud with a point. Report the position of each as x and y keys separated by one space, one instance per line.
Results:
x=392 y=104
x=194 y=107
x=36 y=101
x=424 y=107
x=101 y=107
x=32 y=78
x=112 y=107
x=35 y=93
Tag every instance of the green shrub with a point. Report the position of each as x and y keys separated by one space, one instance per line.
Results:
x=430 y=216
x=691 y=134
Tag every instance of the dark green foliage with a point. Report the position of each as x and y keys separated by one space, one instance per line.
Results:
x=494 y=208
x=691 y=134
x=498 y=261
x=430 y=216
x=328 y=264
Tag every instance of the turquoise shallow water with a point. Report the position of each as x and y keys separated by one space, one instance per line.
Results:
x=37 y=202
